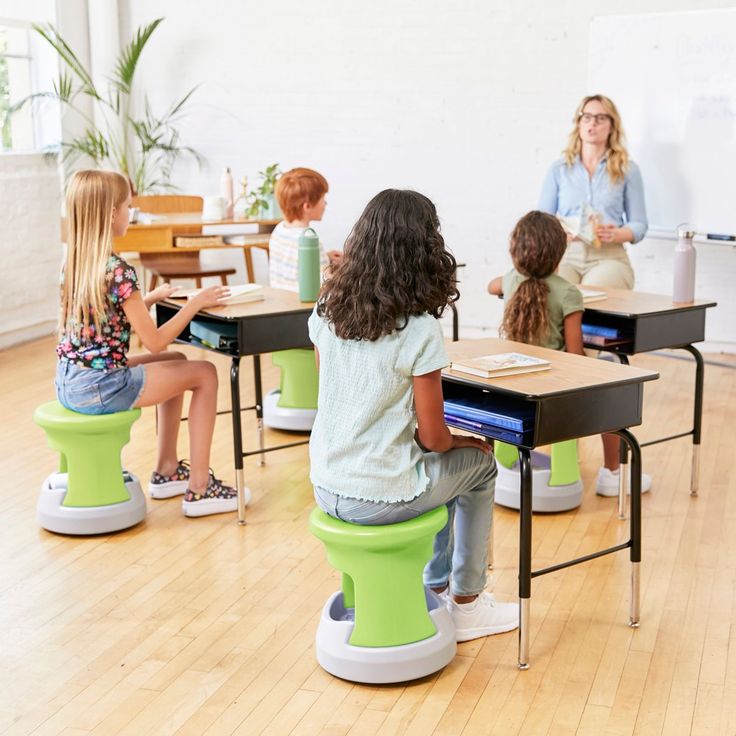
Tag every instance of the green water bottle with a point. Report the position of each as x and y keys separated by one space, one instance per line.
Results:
x=308 y=265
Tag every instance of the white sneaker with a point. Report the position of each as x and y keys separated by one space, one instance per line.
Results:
x=608 y=480
x=482 y=617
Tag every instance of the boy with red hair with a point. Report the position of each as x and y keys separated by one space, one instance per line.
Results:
x=301 y=197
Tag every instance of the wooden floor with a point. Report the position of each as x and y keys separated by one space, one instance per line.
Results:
x=199 y=626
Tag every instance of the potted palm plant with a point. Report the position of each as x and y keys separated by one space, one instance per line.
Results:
x=142 y=146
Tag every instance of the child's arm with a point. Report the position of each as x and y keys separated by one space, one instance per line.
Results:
x=495 y=286
x=432 y=432
x=157 y=339
x=572 y=328
x=159 y=294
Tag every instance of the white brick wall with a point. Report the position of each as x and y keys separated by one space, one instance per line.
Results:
x=30 y=247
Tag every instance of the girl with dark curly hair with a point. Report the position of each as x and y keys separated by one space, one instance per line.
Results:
x=380 y=450
x=542 y=308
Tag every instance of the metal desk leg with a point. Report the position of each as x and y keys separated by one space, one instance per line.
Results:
x=525 y=555
x=259 y=406
x=697 y=417
x=624 y=478
x=455 y=323
x=623 y=473
x=237 y=437
x=635 y=550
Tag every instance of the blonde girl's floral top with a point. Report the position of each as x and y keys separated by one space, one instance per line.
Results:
x=106 y=350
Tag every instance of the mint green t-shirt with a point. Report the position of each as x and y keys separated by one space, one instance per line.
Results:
x=564 y=298
x=362 y=444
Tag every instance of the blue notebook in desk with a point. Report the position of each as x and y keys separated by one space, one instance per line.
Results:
x=488 y=430
x=488 y=411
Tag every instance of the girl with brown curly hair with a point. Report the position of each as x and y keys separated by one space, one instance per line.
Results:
x=380 y=450
x=542 y=308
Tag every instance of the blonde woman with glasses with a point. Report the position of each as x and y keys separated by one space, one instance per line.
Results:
x=101 y=304
x=597 y=192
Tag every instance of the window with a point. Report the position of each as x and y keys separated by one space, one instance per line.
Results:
x=15 y=84
x=27 y=65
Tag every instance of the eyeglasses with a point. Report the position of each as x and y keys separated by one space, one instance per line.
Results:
x=588 y=117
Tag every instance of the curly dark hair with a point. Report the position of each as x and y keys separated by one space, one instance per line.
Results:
x=394 y=266
x=538 y=243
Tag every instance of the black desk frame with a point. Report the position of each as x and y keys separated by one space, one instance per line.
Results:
x=675 y=328
x=558 y=417
x=256 y=334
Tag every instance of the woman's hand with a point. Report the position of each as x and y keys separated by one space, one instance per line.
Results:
x=613 y=234
x=459 y=440
x=210 y=297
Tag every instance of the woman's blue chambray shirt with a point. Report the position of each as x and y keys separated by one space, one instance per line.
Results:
x=567 y=188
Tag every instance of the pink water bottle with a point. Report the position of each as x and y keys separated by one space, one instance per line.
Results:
x=684 y=265
x=226 y=192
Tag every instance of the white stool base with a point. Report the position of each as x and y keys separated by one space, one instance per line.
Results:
x=82 y=520
x=545 y=498
x=291 y=419
x=382 y=664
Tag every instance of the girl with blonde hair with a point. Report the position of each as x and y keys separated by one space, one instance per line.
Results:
x=100 y=305
x=596 y=181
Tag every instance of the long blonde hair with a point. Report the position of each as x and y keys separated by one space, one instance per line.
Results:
x=90 y=200
x=617 y=163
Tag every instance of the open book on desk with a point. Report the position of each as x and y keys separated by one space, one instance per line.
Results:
x=500 y=364
x=238 y=294
x=590 y=295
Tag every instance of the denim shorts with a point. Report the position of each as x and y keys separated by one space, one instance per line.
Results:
x=93 y=391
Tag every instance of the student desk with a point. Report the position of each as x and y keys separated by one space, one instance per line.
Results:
x=653 y=322
x=278 y=322
x=159 y=235
x=577 y=397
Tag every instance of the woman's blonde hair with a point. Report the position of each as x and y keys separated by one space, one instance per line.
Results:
x=618 y=157
x=91 y=197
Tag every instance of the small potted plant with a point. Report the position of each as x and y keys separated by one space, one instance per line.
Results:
x=261 y=202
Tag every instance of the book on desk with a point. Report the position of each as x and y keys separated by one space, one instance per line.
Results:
x=238 y=294
x=591 y=295
x=499 y=364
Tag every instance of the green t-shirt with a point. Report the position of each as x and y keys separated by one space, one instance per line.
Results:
x=564 y=298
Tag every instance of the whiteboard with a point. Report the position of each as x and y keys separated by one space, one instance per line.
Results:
x=673 y=79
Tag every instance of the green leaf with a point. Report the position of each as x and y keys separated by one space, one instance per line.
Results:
x=52 y=36
x=129 y=56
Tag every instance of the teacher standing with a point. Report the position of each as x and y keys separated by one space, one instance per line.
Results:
x=596 y=176
x=595 y=182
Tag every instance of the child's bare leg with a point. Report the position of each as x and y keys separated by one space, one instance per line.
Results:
x=168 y=417
x=165 y=384
x=611 y=448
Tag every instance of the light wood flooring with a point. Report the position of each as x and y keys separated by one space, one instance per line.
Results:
x=199 y=626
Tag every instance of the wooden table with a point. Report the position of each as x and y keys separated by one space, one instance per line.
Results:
x=577 y=397
x=279 y=322
x=159 y=235
x=654 y=322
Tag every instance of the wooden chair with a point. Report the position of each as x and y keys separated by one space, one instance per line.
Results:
x=181 y=265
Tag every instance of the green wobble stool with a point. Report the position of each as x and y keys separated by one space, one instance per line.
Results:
x=384 y=625
x=293 y=406
x=90 y=494
x=556 y=481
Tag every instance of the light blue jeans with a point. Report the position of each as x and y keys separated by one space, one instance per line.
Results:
x=464 y=480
